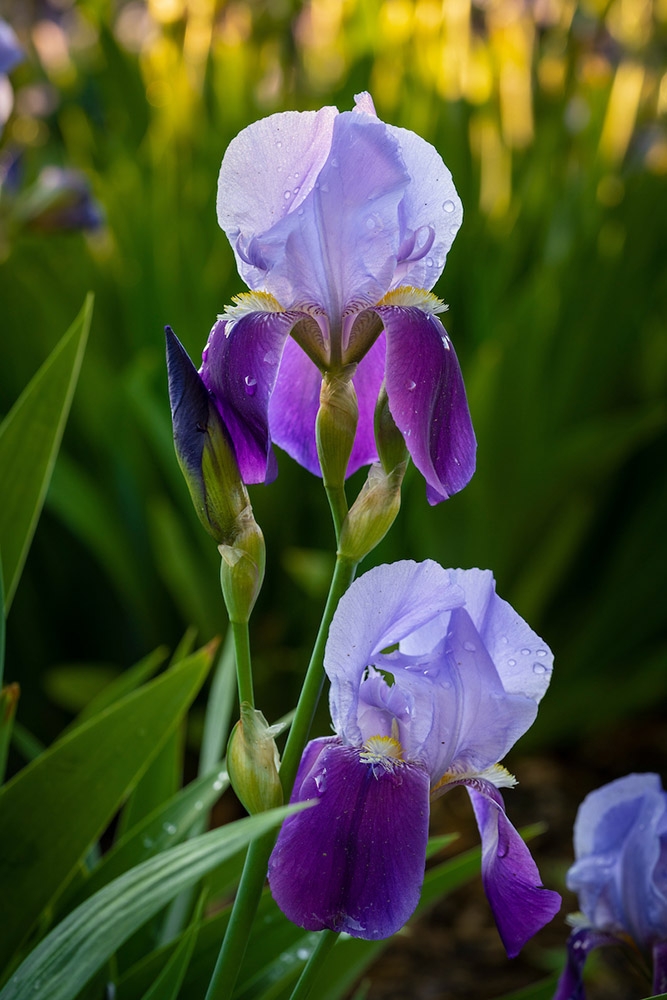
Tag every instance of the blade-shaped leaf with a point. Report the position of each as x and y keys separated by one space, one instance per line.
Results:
x=9 y=697
x=54 y=809
x=30 y=437
x=168 y=983
x=66 y=959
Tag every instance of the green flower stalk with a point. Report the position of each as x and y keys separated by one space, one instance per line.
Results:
x=208 y=461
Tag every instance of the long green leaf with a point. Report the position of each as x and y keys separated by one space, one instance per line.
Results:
x=54 y=809
x=9 y=697
x=168 y=983
x=64 y=961
x=30 y=437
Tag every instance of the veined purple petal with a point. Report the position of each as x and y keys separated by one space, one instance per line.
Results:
x=523 y=661
x=355 y=861
x=338 y=250
x=294 y=405
x=379 y=609
x=267 y=172
x=580 y=944
x=520 y=905
x=427 y=399
x=367 y=381
x=240 y=366
x=431 y=202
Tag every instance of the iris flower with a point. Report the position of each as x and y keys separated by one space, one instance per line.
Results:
x=620 y=876
x=433 y=679
x=340 y=225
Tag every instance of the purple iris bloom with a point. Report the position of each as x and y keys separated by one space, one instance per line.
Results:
x=340 y=225
x=433 y=679
x=620 y=876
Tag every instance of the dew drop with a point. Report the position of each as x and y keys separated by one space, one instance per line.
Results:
x=169 y=828
x=410 y=385
x=503 y=847
x=217 y=785
x=147 y=842
x=448 y=206
x=370 y=223
x=250 y=385
x=296 y=175
x=300 y=212
x=324 y=188
x=541 y=652
x=539 y=668
x=303 y=954
x=504 y=640
x=296 y=190
x=453 y=230
x=199 y=805
x=511 y=663
x=470 y=647
x=279 y=144
x=525 y=652
x=287 y=195
x=429 y=262
x=321 y=781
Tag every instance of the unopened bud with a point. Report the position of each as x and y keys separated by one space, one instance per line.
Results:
x=336 y=427
x=388 y=439
x=372 y=513
x=253 y=761
x=242 y=570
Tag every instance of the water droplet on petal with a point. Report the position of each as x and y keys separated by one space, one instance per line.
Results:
x=470 y=647
x=296 y=190
x=250 y=385
x=279 y=144
x=300 y=211
x=287 y=195
x=429 y=262
x=525 y=652
x=541 y=652
x=503 y=847
x=321 y=781
x=334 y=162
x=410 y=385
x=539 y=668
x=511 y=663
x=324 y=188
x=453 y=230
x=448 y=206
x=505 y=640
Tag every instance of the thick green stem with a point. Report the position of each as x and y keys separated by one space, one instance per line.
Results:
x=243 y=664
x=225 y=974
x=338 y=505
x=326 y=942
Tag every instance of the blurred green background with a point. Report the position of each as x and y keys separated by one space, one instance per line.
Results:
x=552 y=117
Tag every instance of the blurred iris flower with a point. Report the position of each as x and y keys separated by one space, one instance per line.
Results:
x=620 y=876
x=11 y=54
x=433 y=679
x=340 y=225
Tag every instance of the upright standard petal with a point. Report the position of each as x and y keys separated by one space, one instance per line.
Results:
x=427 y=399
x=379 y=609
x=520 y=904
x=354 y=862
x=240 y=365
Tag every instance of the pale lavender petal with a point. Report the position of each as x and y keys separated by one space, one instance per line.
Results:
x=338 y=250
x=294 y=405
x=11 y=53
x=660 y=967
x=430 y=205
x=379 y=609
x=355 y=861
x=427 y=399
x=580 y=944
x=474 y=720
x=364 y=102
x=267 y=172
x=367 y=382
x=520 y=904
x=239 y=367
x=523 y=661
x=620 y=841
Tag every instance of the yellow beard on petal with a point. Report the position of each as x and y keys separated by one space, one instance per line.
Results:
x=406 y=295
x=496 y=775
x=249 y=302
x=385 y=751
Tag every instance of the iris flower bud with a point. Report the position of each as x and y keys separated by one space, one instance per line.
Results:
x=206 y=456
x=372 y=513
x=252 y=761
x=336 y=427
x=389 y=440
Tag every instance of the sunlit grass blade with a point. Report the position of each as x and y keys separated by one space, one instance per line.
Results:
x=78 y=784
x=73 y=951
x=30 y=437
